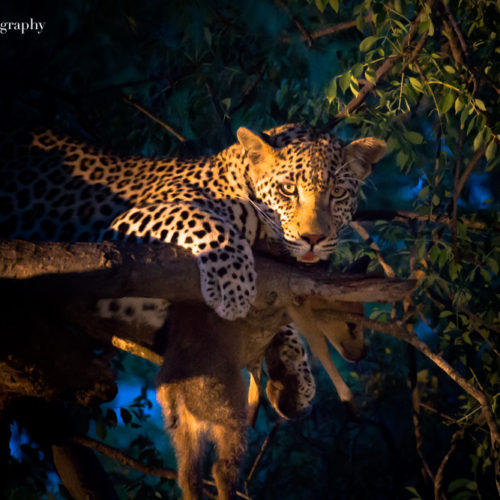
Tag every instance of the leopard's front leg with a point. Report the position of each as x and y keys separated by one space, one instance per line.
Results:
x=224 y=256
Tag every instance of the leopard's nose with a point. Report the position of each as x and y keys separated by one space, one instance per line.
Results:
x=313 y=239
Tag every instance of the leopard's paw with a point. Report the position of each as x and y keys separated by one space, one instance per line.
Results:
x=228 y=281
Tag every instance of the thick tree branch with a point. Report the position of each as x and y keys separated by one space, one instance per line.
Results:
x=116 y=270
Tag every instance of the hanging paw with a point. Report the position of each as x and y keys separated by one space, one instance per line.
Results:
x=228 y=280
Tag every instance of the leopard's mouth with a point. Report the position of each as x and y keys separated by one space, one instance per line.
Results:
x=308 y=257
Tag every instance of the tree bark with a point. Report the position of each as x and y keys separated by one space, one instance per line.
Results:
x=118 y=270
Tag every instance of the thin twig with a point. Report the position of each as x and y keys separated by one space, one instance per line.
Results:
x=439 y=474
x=416 y=51
x=455 y=192
x=331 y=30
x=265 y=444
x=154 y=118
x=137 y=350
x=124 y=459
x=406 y=217
x=433 y=410
x=389 y=272
x=470 y=166
x=337 y=28
x=415 y=399
x=303 y=32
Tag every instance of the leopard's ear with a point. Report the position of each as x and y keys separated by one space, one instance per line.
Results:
x=361 y=154
x=260 y=153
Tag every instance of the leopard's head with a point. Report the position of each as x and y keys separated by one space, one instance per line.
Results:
x=305 y=185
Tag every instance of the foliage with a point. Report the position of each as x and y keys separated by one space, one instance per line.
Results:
x=205 y=68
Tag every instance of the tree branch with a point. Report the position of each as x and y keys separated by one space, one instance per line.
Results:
x=440 y=472
x=124 y=459
x=407 y=217
x=306 y=37
x=97 y=270
x=154 y=118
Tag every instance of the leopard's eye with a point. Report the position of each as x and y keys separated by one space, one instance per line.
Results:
x=288 y=189
x=338 y=192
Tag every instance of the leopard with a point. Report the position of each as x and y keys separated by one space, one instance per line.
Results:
x=293 y=186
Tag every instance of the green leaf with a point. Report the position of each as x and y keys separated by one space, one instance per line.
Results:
x=320 y=4
x=434 y=253
x=424 y=192
x=493 y=265
x=345 y=81
x=331 y=90
x=435 y=200
x=226 y=103
x=334 y=4
x=471 y=125
x=360 y=23
x=446 y=102
x=357 y=70
x=423 y=26
x=443 y=258
x=478 y=140
x=491 y=150
x=367 y=43
x=480 y=104
x=453 y=270
x=401 y=159
x=416 y=84
x=458 y=105
x=463 y=116
x=450 y=327
x=414 y=137
x=485 y=274
x=449 y=69
x=371 y=76
x=412 y=490
x=458 y=484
